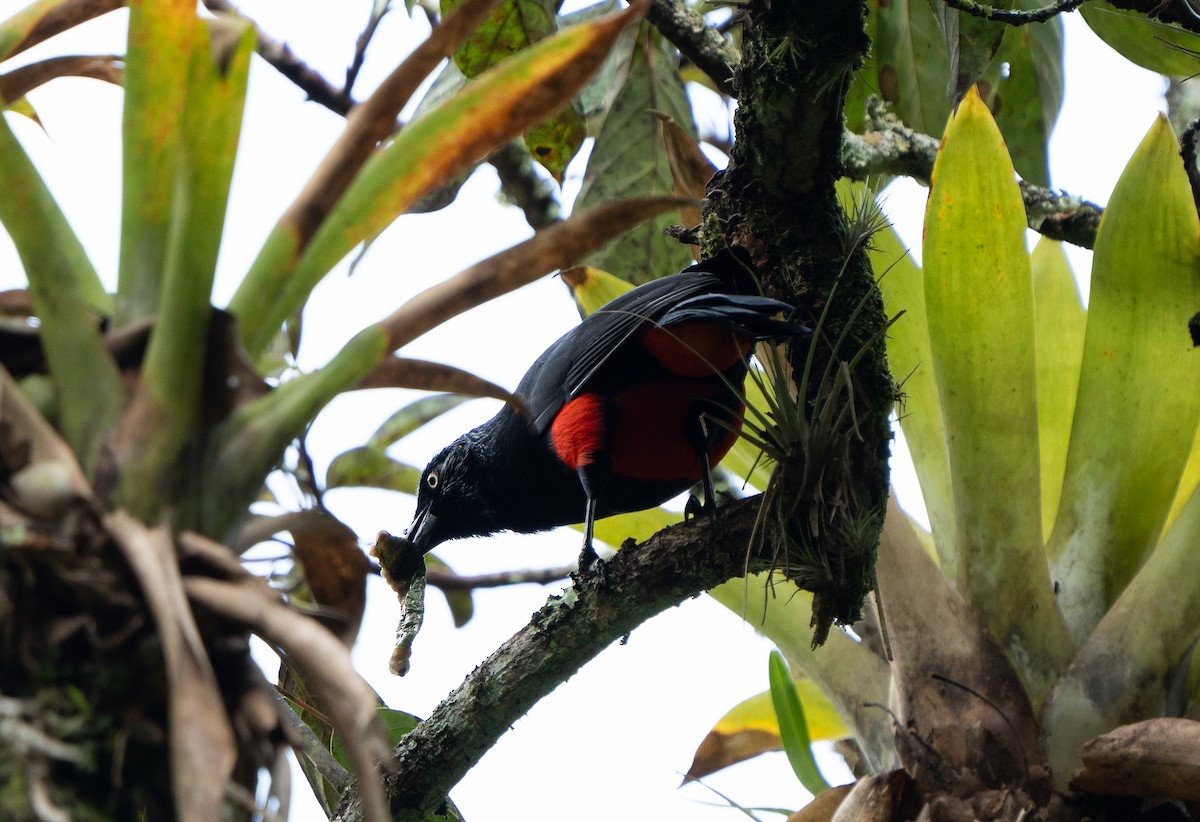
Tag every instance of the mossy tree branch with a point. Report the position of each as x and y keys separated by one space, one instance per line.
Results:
x=639 y=582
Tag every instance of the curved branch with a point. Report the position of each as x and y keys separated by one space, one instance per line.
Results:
x=639 y=582
x=893 y=148
x=1015 y=17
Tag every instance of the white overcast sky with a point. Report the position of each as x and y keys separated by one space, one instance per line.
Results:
x=613 y=742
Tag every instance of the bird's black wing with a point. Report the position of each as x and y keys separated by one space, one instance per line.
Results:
x=565 y=367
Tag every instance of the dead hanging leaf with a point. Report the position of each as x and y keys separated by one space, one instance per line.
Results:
x=690 y=169
x=202 y=746
x=720 y=750
x=17 y=83
x=403 y=372
x=335 y=568
x=41 y=21
x=553 y=247
x=1156 y=757
x=351 y=705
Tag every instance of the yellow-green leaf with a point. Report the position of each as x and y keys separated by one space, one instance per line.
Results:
x=918 y=409
x=979 y=298
x=157 y=59
x=1137 y=407
x=1059 y=320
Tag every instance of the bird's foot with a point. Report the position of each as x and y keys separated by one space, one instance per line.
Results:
x=695 y=508
x=589 y=560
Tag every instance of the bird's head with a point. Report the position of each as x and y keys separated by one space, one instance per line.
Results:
x=454 y=499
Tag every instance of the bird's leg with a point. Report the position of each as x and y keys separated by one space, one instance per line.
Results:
x=588 y=558
x=694 y=508
x=593 y=476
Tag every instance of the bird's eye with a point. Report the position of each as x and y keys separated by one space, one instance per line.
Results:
x=432 y=480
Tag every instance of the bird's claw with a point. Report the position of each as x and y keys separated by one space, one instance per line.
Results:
x=695 y=508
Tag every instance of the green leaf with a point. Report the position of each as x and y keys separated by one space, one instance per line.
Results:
x=168 y=397
x=979 y=298
x=514 y=25
x=1151 y=44
x=629 y=160
x=971 y=43
x=413 y=416
x=914 y=67
x=793 y=727
x=65 y=292
x=157 y=60
x=1136 y=412
x=556 y=141
x=918 y=409
x=1028 y=99
x=1059 y=321
x=490 y=110
x=372 y=468
x=46 y=18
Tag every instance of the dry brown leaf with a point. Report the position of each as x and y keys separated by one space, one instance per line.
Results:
x=342 y=694
x=961 y=705
x=20 y=81
x=720 y=750
x=690 y=170
x=557 y=246
x=202 y=746
x=402 y=372
x=1154 y=758
x=335 y=568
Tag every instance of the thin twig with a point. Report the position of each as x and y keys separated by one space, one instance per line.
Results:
x=450 y=581
x=278 y=55
x=1015 y=17
x=378 y=10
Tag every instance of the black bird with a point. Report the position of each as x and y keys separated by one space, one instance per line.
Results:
x=627 y=410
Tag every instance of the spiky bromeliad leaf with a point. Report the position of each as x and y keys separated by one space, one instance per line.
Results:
x=979 y=298
x=1136 y=411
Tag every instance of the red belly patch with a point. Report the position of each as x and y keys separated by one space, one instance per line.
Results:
x=578 y=432
x=694 y=349
x=650 y=430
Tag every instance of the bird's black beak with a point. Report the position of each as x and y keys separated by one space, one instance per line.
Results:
x=423 y=531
